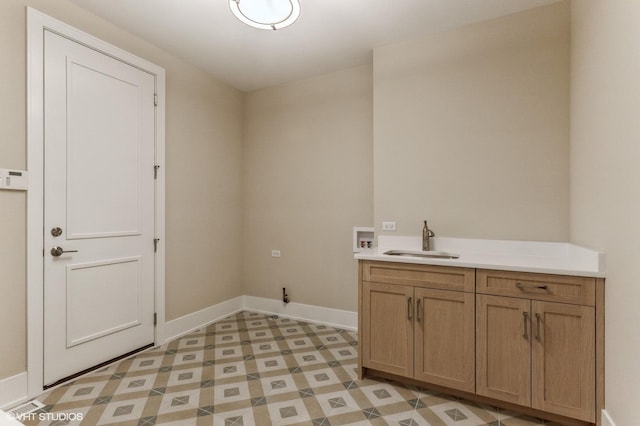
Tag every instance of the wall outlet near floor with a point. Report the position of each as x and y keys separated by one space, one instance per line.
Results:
x=275 y=253
x=388 y=226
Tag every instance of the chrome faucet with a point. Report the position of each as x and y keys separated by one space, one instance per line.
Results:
x=426 y=234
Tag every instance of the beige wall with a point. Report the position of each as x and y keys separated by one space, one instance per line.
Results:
x=204 y=193
x=307 y=183
x=605 y=178
x=13 y=326
x=203 y=143
x=13 y=154
x=471 y=129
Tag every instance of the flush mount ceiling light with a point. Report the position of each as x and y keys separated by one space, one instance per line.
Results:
x=266 y=14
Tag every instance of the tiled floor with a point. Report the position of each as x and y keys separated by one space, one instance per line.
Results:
x=252 y=369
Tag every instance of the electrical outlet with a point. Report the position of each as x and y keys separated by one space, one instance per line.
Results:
x=275 y=253
x=388 y=226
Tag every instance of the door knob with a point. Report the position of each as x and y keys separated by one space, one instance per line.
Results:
x=57 y=251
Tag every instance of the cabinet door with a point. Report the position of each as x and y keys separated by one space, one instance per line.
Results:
x=563 y=359
x=503 y=349
x=444 y=338
x=388 y=328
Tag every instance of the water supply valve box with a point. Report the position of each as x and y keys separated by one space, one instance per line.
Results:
x=363 y=238
x=14 y=179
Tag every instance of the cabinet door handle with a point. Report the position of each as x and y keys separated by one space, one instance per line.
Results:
x=409 y=307
x=538 y=327
x=419 y=313
x=525 y=320
x=531 y=286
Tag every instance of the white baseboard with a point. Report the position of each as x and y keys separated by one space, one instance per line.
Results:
x=13 y=390
x=184 y=325
x=606 y=419
x=347 y=320
x=179 y=327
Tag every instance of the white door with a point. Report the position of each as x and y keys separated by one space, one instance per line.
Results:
x=99 y=150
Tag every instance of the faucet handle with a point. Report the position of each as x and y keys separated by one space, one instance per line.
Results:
x=428 y=231
x=426 y=234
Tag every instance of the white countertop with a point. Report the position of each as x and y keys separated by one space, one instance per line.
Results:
x=524 y=256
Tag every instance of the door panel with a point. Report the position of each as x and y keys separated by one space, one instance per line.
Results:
x=99 y=152
x=388 y=328
x=503 y=350
x=103 y=152
x=563 y=361
x=118 y=284
x=445 y=337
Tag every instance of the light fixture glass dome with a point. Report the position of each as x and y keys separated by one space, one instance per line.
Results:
x=266 y=14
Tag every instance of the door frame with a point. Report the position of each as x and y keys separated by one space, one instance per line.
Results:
x=37 y=23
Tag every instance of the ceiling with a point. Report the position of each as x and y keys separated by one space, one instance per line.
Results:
x=329 y=35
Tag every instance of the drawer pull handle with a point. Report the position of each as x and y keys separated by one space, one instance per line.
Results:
x=538 y=327
x=409 y=307
x=525 y=320
x=531 y=286
x=419 y=312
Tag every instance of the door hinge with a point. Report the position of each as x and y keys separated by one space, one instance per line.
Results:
x=155 y=318
x=155 y=99
x=155 y=244
x=155 y=171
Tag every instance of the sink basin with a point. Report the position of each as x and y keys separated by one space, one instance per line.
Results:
x=417 y=253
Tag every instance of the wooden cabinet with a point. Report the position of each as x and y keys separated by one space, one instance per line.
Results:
x=527 y=340
x=537 y=353
x=418 y=322
x=444 y=338
x=503 y=354
x=387 y=328
x=563 y=359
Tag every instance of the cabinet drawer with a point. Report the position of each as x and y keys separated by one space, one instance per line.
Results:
x=553 y=288
x=427 y=276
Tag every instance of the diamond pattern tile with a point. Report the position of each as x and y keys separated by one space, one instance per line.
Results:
x=456 y=415
x=125 y=409
x=255 y=369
